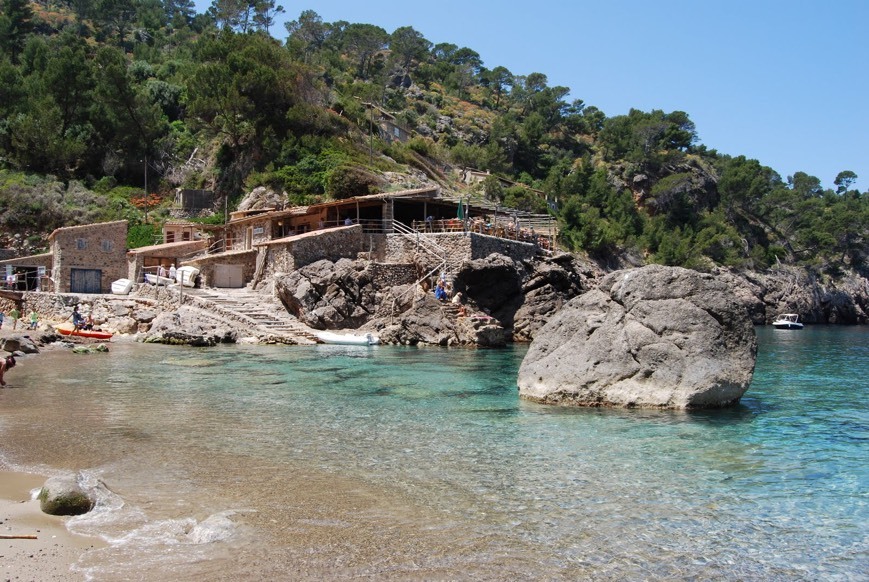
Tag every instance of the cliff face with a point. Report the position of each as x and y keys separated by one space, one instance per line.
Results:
x=787 y=289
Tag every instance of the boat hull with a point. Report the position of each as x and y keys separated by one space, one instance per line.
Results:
x=187 y=276
x=157 y=280
x=122 y=286
x=787 y=325
x=68 y=329
x=348 y=340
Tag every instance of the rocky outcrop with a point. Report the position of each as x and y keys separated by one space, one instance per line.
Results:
x=785 y=289
x=656 y=336
x=262 y=198
x=523 y=295
x=189 y=326
x=19 y=344
x=429 y=321
x=330 y=295
x=512 y=298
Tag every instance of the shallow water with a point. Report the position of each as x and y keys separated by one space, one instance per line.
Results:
x=253 y=462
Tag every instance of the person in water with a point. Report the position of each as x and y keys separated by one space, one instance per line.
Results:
x=5 y=364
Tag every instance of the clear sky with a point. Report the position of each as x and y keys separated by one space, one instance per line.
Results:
x=785 y=82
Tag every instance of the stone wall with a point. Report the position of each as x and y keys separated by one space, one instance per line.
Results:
x=100 y=247
x=122 y=313
x=332 y=244
x=458 y=247
x=43 y=260
x=394 y=274
x=258 y=229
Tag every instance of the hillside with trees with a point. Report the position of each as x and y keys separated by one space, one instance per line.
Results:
x=107 y=106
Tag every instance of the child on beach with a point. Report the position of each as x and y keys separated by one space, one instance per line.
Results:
x=15 y=315
x=5 y=364
x=2 y=316
x=34 y=319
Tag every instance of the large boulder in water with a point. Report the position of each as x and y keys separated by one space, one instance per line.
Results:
x=656 y=336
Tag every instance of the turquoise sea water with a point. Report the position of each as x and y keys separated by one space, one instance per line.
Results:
x=251 y=462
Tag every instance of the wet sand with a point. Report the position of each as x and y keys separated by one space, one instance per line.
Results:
x=54 y=551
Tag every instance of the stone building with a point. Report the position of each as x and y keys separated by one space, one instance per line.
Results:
x=87 y=258
x=148 y=259
x=81 y=259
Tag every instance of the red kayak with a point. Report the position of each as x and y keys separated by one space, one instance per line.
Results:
x=91 y=333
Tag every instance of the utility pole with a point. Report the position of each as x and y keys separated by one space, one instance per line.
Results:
x=370 y=133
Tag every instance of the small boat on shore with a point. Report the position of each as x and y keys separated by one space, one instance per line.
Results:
x=187 y=276
x=158 y=280
x=368 y=339
x=787 y=321
x=122 y=286
x=69 y=329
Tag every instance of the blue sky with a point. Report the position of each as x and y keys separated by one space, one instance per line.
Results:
x=785 y=82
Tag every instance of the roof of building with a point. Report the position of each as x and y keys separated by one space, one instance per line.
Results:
x=167 y=246
x=84 y=227
x=270 y=213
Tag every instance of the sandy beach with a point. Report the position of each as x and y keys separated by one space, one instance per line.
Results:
x=48 y=557
x=51 y=555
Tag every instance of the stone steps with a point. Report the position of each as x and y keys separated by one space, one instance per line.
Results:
x=260 y=311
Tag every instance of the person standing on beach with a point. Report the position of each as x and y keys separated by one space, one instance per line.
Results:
x=15 y=315
x=34 y=319
x=7 y=363
x=2 y=317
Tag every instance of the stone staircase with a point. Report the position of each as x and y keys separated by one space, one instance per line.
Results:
x=261 y=312
x=450 y=310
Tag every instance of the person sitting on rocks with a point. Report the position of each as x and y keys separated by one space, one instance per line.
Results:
x=440 y=292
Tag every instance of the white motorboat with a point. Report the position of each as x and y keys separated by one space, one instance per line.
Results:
x=187 y=275
x=368 y=339
x=787 y=321
x=122 y=286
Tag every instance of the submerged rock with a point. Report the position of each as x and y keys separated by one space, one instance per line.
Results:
x=662 y=337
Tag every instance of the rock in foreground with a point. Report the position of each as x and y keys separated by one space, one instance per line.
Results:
x=64 y=495
x=656 y=337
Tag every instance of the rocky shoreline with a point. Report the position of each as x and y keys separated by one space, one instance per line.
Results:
x=503 y=300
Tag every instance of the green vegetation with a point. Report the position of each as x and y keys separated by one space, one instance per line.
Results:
x=107 y=105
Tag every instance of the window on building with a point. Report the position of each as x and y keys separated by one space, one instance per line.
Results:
x=170 y=236
x=81 y=243
x=107 y=246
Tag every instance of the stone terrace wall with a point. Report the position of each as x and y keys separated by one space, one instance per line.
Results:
x=462 y=246
x=483 y=245
x=394 y=274
x=124 y=312
x=287 y=255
